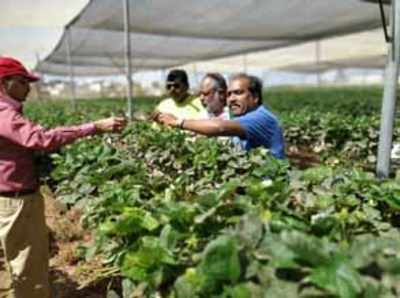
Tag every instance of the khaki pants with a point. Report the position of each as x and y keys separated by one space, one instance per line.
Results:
x=24 y=241
x=5 y=280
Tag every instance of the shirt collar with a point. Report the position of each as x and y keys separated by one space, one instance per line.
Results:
x=223 y=115
x=11 y=102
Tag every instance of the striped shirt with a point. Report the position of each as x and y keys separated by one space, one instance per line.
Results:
x=19 y=138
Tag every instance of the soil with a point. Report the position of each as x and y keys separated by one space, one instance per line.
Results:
x=71 y=278
x=302 y=157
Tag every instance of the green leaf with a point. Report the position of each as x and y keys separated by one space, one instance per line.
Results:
x=338 y=277
x=238 y=291
x=189 y=284
x=220 y=261
x=146 y=263
x=250 y=230
x=278 y=288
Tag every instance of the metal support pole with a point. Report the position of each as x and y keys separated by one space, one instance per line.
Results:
x=196 y=75
x=244 y=57
x=389 y=95
x=163 y=75
x=128 y=57
x=266 y=78
x=318 y=61
x=71 y=70
x=38 y=84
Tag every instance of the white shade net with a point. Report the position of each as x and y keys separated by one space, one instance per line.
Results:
x=166 y=33
x=367 y=62
x=350 y=51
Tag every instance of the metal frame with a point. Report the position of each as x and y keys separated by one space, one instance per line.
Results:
x=128 y=57
x=71 y=69
x=389 y=95
x=318 y=61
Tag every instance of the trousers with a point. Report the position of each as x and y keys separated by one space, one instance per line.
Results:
x=24 y=265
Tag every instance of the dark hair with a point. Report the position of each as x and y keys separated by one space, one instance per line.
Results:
x=219 y=80
x=178 y=75
x=255 y=84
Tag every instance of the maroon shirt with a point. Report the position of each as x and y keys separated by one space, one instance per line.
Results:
x=19 y=138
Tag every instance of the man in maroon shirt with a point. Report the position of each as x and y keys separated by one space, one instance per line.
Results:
x=23 y=233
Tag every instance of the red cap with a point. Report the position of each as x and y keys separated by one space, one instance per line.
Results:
x=10 y=66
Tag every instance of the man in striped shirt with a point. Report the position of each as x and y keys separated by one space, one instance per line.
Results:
x=213 y=92
x=23 y=232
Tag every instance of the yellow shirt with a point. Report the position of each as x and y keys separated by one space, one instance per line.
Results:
x=190 y=108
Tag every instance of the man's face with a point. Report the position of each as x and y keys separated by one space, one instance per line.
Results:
x=213 y=100
x=177 y=90
x=240 y=100
x=17 y=87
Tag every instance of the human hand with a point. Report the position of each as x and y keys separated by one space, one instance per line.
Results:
x=112 y=124
x=154 y=115
x=168 y=119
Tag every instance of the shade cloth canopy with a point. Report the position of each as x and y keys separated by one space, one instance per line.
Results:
x=166 y=33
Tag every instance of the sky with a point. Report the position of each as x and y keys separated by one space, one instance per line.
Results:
x=31 y=28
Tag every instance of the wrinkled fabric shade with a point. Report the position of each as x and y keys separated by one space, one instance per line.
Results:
x=167 y=33
x=368 y=62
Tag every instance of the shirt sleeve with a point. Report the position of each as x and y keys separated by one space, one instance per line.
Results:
x=164 y=106
x=258 y=129
x=16 y=128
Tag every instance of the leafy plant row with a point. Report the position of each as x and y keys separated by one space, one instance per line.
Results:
x=337 y=125
x=189 y=217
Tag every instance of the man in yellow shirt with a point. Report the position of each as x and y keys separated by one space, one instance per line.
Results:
x=180 y=102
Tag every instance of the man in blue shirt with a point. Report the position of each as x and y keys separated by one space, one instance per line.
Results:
x=253 y=125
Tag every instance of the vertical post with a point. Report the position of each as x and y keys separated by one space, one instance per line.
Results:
x=38 y=84
x=195 y=74
x=71 y=70
x=389 y=94
x=318 y=61
x=364 y=77
x=128 y=57
x=163 y=75
x=244 y=57
x=265 y=79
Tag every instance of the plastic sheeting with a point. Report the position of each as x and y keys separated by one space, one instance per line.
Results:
x=166 y=33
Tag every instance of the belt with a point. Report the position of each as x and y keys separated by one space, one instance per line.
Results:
x=16 y=194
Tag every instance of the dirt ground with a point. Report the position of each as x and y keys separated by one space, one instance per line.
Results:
x=69 y=278
x=302 y=157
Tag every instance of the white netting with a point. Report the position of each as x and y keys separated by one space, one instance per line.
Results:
x=353 y=50
x=166 y=33
x=368 y=62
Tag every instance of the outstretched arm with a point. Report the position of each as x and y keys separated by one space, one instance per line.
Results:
x=27 y=134
x=211 y=127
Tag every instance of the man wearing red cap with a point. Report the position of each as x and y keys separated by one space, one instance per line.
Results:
x=23 y=233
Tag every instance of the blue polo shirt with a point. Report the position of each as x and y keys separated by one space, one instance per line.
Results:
x=262 y=129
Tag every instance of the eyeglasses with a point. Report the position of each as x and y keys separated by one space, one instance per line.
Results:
x=169 y=86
